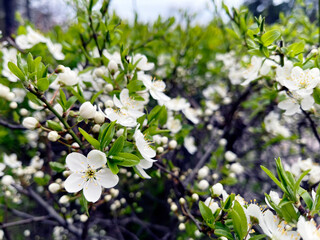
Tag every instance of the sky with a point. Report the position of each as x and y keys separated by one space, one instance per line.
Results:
x=149 y=10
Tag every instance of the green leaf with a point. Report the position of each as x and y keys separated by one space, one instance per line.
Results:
x=222 y=230
x=295 y=49
x=94 y=97
x=205 y=211
x=71 y=101
x=54 y=125
x=243 y=219
x=113 y=167
x=258 y=237
x=33 y=98
x=16 y=71
x=236 y=223
x=63 y=97
x=43 y=84
x=77 y=94
x=106 y=134
x=297 y=184
x=94 y=142
x=84 y=203
x=135 y=85
x=316 y=95
x=30 y=63
x=273 y=178
x=229 y=201
x=126 y=159
x=117 y=146
x=306 y=198
x=269 y=37
x=42 y=181
x=56 y=166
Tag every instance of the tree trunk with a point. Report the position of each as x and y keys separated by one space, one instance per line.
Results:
x=10 y=24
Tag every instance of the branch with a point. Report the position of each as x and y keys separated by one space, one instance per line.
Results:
x=52 y=212
x=62 y=120
x=11 y=126
x=24 y=221
x=313 y=125
x=201 y=162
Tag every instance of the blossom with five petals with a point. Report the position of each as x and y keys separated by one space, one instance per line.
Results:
x=90 y=174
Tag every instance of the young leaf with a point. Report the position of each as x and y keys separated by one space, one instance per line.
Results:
x=205 y=211
x=113 y=167
x=16 y=71
x=269 y=37
x=56 y=166
x=94 y=142
x=117 y=146
x=43 y=84
x=106 y=134
x=54 y=125
x=126 y=159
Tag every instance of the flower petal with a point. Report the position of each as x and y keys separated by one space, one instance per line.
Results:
x=142 y=172
x=96 y=159
x=145 y=164
x=92 y=190
x=117 y=102
x=74 y=183
x=76 y=162
x=106 y=178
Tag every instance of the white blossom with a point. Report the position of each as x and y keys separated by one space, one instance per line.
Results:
x=89 y=173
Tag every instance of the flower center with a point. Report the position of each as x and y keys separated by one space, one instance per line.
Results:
x=90 y=173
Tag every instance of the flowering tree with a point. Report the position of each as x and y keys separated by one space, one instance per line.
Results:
x=118 y=131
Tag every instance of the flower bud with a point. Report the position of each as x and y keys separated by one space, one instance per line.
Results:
x=173 y=144
x=119 y=132
x=182 y=227
x=99 y=117
x=230 y=156
x=109 y=87
x=223 y=142
x=203 y=172
x=64 y=199
x=99 y=72
x=174 y=207
x=7 y=180
x=108 y=104
x=87 y=110
x=39 y=174
x=182 y=201
x=160 y=149
x=164 y=140
x=30 y=123
x=13 y=105
x=54 y=187
x=53 y=136
x=83 y=218
x=10 y=96
x=195 y=197
x=60 y=69
x=96 y=128
x=24 y=112
x=203 y=185
x=217 y=189
x=112 y=67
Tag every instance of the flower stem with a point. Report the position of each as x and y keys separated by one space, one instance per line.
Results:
x=62 y=120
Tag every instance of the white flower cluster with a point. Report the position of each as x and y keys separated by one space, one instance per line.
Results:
x=32 y=38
